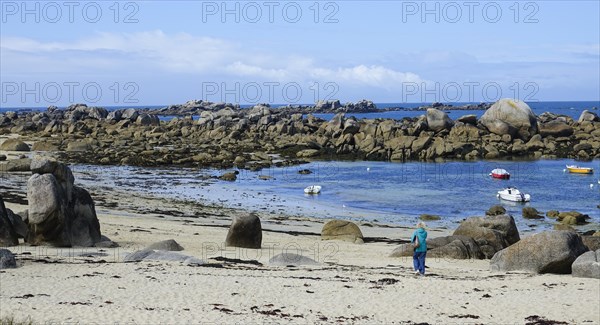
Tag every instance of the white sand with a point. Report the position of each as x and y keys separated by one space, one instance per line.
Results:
x=344 y=288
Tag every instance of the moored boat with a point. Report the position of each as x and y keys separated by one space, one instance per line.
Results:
x=579 y=170
x=513 y=194
x=500 y=173
x=313 y=189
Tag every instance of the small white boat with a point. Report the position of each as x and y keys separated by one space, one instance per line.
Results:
x=513 y=194
x=313 y=189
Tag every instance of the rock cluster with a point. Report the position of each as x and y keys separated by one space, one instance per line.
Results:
x=475 y=238
x=246 y=138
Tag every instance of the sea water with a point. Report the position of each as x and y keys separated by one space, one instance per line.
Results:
x=394 y=193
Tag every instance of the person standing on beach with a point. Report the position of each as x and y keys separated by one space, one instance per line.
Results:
x=420 y=252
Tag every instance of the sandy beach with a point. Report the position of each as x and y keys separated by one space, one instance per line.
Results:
x=352 y=283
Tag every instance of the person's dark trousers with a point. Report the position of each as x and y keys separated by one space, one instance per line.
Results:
x=419 y=261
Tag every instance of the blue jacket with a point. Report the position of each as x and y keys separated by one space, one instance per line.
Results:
x=422 y=234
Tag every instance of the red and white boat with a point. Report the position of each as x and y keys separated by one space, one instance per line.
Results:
x=500 y=173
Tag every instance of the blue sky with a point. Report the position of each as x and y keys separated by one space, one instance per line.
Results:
x=158 y=52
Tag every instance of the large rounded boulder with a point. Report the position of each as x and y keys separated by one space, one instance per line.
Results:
x=245 y=231
x=438 y=120
x=508 y=116
x=587 y=116
x=14 y=145
x=60 y=213
x=546 y=252
x=342 y=230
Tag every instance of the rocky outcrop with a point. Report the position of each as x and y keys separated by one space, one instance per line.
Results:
x=225 y=136
x=452 y=247
x=546 y=252
x=492 y=233
x=342 y=230
x=60 y=213
x=245 y=231
x=587 y=265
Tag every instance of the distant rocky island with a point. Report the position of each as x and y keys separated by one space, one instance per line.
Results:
x=195 y=107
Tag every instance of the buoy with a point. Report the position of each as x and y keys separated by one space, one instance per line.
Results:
x=368 y=169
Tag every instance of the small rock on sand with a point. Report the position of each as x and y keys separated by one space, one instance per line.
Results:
x=285 y=259
x=151 y=255
x=166 y=245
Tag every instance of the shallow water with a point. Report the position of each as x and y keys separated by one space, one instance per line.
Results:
x=394 y=193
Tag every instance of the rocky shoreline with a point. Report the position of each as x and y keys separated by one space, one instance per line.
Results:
x=261 y=137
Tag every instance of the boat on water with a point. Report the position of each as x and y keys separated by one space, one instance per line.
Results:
x=513 y=194
x=579 y=170
x=313 y=189
x=500 y=173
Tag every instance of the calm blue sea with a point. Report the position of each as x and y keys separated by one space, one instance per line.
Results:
x=388 y=192
x=569 y=108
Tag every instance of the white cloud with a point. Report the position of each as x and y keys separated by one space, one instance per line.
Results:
x=376 y=76
x=181 y=53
